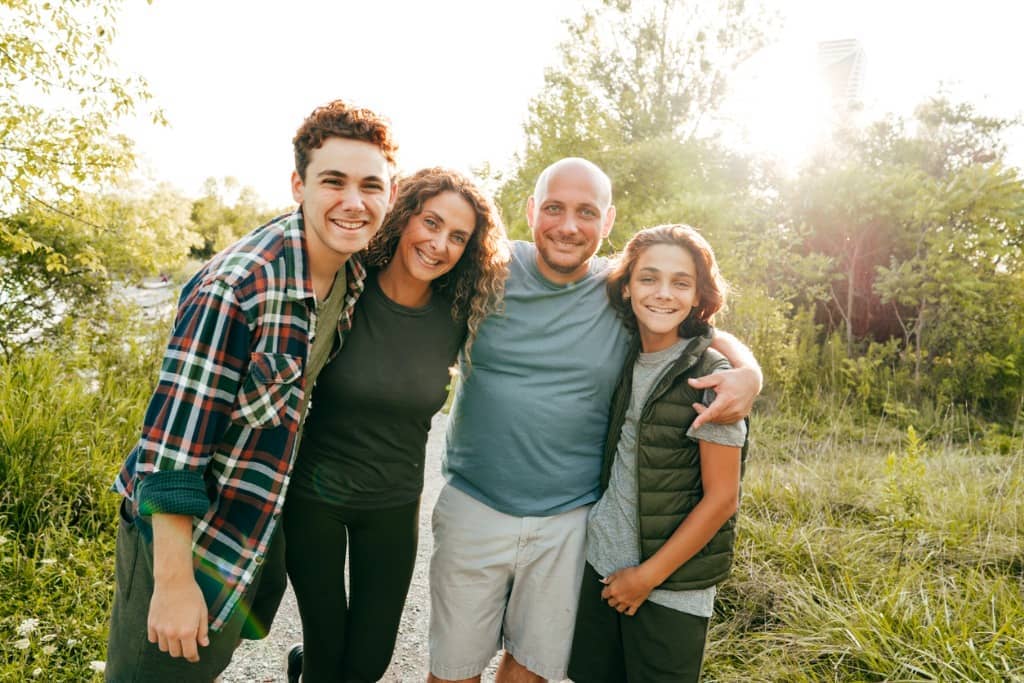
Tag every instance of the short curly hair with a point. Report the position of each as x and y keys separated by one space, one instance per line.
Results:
x=476 y=284
x=338 y=119
x=712 y=288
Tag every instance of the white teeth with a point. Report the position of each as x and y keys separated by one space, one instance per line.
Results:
x=348 y=225
x=429 y=261
x=661 y=310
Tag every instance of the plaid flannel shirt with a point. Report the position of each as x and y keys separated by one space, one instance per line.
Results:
x=219 y=434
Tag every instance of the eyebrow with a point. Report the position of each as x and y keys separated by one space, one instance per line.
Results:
x=435 y=215
x=678 y=273
x=331 y=173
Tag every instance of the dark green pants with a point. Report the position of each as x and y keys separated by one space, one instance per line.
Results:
x=130 y=655
x=655 y=645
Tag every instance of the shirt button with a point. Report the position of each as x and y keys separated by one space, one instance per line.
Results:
x=258 y=560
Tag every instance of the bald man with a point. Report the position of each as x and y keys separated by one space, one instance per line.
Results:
x=525 y=441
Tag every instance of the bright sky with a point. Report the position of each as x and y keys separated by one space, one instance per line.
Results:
x=455 y=76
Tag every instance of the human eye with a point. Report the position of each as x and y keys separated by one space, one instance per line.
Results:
x=588 y=213
x=459 y=238
x=552 y=209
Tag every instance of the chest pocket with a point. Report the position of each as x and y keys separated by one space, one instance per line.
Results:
x=270 y=389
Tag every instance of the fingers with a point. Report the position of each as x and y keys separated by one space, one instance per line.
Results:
x=186 y=646
x=705 y=413
x=622 y=607
x=204 y=630
x=706 y=381
x=189 y=649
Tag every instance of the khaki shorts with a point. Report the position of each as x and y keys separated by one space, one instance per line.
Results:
x=502 y=581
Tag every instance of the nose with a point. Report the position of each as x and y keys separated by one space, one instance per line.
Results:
x=437 y=242
x=352 y=198
x=664 y=290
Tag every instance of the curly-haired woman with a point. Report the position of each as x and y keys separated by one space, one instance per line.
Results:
x=436 y=269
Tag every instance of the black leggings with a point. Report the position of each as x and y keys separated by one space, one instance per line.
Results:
x=349 y=639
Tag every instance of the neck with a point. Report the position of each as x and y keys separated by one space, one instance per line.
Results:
x=560 y=278
x=651 y=343
x=402 y=289
x=323 y=273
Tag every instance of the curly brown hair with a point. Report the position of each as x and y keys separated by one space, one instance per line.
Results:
x=338 y=119
x=711 y=286
x=476 y=284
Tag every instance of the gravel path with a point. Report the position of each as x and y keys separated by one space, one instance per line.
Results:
x=263 y=661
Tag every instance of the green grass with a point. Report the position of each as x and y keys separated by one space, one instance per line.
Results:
x=851 y=568
x=67 y=418
x=861 y=557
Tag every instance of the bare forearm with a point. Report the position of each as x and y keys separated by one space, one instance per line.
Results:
x=172 y=548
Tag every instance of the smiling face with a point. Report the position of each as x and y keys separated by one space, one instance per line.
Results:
x=345 y=194
x=435 y=238
x=569 y=214
x=662 y=289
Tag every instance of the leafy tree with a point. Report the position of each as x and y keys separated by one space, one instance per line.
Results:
x=224 y=213
x=634 y=82
x=60 y=99
x=131 y=233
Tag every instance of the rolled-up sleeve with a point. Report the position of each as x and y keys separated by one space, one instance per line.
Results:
x=191 y=407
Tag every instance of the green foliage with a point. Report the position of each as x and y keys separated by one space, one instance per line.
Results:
x=68 y=417
x=62 y=100
x=65 y=277
x=223 y=214
x=819 y=591
x=634 y=82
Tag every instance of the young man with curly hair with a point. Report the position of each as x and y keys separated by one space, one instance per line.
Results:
x=200 y=562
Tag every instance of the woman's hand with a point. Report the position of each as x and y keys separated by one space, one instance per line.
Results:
x=626 y=589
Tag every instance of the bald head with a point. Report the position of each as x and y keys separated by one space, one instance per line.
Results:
x=601 y=182
x=569 y=214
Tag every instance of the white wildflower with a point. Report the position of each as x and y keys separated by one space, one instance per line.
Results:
x=49 y=649
x=37 y=672
x=72 y=642
x=22 y=644
x=48 y=637
x=47 y=561
x=97 y=665
x=28 y=626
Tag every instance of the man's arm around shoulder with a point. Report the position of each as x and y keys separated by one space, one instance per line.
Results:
x=736 y=389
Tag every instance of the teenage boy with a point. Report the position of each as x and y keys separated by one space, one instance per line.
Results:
x=200 y=562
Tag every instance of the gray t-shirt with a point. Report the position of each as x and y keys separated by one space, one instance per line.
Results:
x=528 y=425
x=612 y=525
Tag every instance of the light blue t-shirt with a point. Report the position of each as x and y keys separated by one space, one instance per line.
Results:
x=527 y=429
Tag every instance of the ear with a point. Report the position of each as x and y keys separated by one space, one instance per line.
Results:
x=625 y=292
x=394 y=193
x=297 y=187
x=609 y=221
x=530 y=204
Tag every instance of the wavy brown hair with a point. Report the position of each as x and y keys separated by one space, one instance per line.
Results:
x=711 y=286
x=476 y=284
x=338 y=119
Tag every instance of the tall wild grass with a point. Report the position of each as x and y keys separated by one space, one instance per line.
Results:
x=68 y=416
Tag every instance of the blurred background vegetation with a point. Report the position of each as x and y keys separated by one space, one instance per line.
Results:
x=881 y=285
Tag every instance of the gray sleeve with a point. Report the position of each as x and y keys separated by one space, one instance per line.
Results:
x=732 y=434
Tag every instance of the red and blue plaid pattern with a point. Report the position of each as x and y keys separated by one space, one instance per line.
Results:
x=219 y=434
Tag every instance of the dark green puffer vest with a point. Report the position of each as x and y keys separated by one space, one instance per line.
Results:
x=668 y=462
